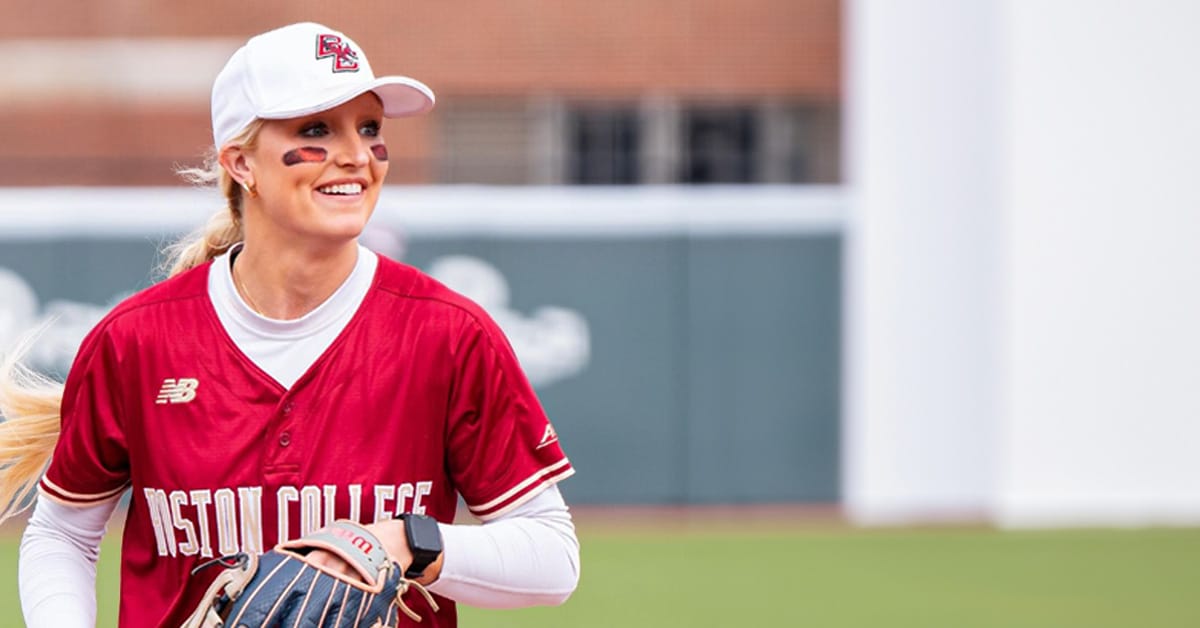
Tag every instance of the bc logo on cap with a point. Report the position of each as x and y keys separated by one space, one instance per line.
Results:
x=344 y=57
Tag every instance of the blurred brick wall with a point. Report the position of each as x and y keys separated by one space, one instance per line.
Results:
x=713 y=49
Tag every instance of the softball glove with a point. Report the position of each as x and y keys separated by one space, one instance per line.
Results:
x=282 y=588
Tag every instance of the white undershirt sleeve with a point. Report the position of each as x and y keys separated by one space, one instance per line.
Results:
x=57 y=565
x=528 y=557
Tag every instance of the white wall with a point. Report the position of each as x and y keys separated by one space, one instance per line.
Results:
x=1103 y=292
x=1023 y=281
x=922 y=166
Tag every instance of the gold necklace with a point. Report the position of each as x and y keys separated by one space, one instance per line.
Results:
x=246 y=293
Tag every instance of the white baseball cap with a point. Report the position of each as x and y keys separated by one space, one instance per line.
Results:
x=299 y=70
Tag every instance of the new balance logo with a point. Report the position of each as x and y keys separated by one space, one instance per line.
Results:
x=180 y=390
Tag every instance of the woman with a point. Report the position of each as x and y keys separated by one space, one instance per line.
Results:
x=284 y=377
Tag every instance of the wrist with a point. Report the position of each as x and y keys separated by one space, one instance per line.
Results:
x=432 y=572
x=391 y=535
x=423 y=539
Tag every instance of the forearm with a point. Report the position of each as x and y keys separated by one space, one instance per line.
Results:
x=529 y=557
x=57 y=568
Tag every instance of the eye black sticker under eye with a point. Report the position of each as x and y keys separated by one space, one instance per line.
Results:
x=380 y=152
x=304 y=154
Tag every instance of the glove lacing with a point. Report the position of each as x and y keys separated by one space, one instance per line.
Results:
x=403 y=588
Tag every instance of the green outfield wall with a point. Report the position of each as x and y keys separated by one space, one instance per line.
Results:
x=679 y=364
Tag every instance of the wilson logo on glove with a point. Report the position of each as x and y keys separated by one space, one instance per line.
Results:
x=357 y=540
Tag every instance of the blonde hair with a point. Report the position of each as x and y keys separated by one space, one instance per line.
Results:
x=224 y=228
x=31 y=404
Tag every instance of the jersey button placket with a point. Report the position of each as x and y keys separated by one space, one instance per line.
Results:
x=285 y=437
x=281 y=460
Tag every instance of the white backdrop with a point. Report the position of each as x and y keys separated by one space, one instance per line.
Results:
x=1023 y=276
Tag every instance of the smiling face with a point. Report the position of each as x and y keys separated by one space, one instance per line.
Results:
x=317 y=177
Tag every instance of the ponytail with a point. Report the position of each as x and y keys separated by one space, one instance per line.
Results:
x=224 y=229
x=31 y=404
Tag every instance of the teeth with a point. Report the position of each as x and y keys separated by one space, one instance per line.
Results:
x=342 y=188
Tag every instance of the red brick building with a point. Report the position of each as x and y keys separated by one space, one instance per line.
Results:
x=115 y=92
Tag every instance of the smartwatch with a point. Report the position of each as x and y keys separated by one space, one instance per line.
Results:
x=424 y=541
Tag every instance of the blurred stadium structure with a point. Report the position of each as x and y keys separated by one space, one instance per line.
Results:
x=975 y=301
x=530 y=92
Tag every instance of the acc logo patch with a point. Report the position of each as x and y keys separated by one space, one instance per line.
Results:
x=548 y=437
x=344 y=57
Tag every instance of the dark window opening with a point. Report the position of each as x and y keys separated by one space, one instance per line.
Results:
x=722 y=144
x=604 y=145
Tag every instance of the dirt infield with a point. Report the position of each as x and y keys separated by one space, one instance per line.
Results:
x=706 y=518
x=593 y=518
x=682 y=518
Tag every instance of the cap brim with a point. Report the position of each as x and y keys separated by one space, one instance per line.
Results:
x=401 y=96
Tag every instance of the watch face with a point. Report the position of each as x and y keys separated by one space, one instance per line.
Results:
x=424 y=541
x=423 y=533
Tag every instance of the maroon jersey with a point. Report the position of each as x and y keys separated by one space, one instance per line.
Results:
x=419 y=399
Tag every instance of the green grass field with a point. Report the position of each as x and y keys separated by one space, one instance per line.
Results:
x=832 y=577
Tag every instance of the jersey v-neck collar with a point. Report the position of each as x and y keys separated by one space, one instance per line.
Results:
x=340 y=305
x=285 y=349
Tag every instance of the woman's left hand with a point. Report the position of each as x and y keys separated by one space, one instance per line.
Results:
x=395 y=543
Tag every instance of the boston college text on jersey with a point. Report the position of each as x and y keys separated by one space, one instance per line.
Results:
x=186 y=522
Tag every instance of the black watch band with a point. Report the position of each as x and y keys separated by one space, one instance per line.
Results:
x=424 y=541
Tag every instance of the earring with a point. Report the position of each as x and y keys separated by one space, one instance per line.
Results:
x=250 y=189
